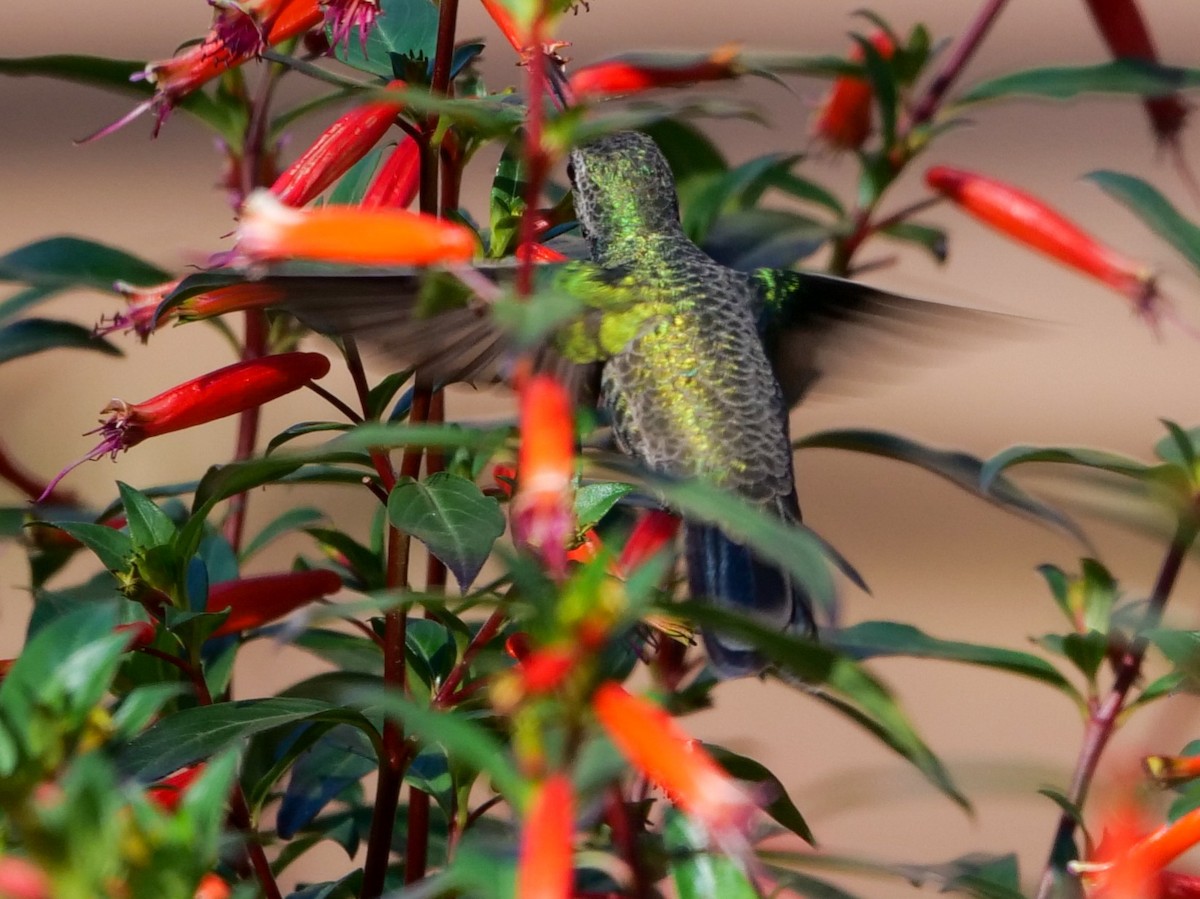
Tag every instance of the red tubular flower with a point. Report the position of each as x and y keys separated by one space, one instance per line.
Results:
x=544 y=866
x=617 y=76
x=218 y=394
x=396 y=183
x=168 y=792
x=212 y=886
x=542 y=518
x=844 y=120
x=232 y=298
x=508 y=26
x=255 y=601
x=539 y=252
x=1129 y=862
x=1125 y=32
x=270 y=231
x=1028 y=220
x=141 y=633
x=653 y=531
x=589 y=547
x=139 y=314
x=341 y=145
x=652 y=742
x=239 y=33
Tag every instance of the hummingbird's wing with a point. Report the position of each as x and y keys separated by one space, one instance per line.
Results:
x=434 y=322
x=821 y=327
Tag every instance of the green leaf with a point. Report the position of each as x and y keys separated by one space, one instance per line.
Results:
x=464 y=740
x=835 y=679
x=26 y=299
x=764 y=238
x=223 y=481
x=35 y=335
x=405 y=28
x=452 y=517
x=960 y=469
x=199 y=732
x=351 y=187
x=113 y=548
x=1156 y=211
x=348 y=652
x=1122 y=76
x=148 y=525
x=872 y=639
x=697 y=871
x=375 y=435
x=978 y=874
x=930 y=239
x=883 y=88
x=781 y=807
x=1179 y=447
x=61 y=675
x=114 y=75
x=1086 y=458
x=68 y=261
x=506 y=201
x=291 y=520
x=300 y=429
x=594 y=501
x=794 y=548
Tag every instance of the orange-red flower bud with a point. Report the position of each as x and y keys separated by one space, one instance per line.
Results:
x=255 y=601
x=168 y=792
x=539 y=252
x=844 y=120
x=141 y=633
x=22 y=879
x=270 y=231
x=1130 y=862
x=1030 y=221
x=226 y=391
x=654 y=530
x=652 y=742
x=341 y=145
x=544 y=867
x=231 y=298
x=589 y=547
x=212 y=886
x=618 y=76
x=396 y=183
x=542 y=511
x=508 y=26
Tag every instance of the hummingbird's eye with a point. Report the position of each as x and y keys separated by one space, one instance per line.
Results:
x=571 y=171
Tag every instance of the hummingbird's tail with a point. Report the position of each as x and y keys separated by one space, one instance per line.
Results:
x=730 y=574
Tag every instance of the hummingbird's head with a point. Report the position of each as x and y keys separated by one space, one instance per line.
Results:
x=624 y=193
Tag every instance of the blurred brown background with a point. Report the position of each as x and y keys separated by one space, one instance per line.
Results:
x=933 y=556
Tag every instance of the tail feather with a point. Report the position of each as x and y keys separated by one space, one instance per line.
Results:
x=730 y=574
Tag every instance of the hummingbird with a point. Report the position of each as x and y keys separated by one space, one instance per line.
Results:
x=697 y=364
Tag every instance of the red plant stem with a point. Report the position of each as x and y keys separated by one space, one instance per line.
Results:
x=239 y=809
x=922 y=113
x=29 y=485
x=535 y=157
x=1103 y=715
x=416 y=847
x=931 y=101
x=396 y=751
x=616 y=813
x=486 y=633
